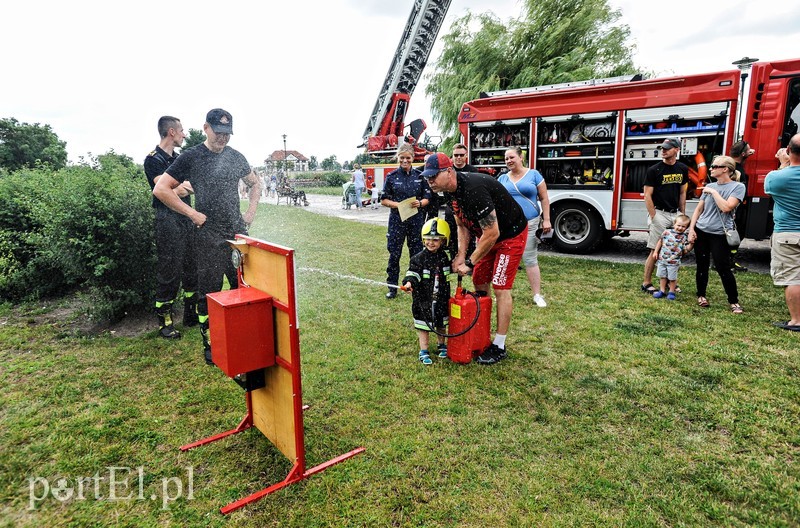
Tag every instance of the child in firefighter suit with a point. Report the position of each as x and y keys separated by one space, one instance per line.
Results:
x=426 y=279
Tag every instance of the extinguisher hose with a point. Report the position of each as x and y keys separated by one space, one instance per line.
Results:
x=432 y=324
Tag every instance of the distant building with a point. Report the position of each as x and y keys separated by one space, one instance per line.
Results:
x=295 y=161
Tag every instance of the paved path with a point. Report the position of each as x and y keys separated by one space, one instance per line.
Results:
x=753 y=254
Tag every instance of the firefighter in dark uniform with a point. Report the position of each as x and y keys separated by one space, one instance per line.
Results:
x=401 y=184
x=174 y=234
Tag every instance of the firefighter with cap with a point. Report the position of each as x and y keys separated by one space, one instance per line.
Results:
x=426 y=279
x=214 y=169
x=401 y=184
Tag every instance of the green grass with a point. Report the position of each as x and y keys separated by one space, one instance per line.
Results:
x=612 y=409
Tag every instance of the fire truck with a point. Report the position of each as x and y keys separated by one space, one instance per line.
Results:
x=386 y=126
x=594 y=140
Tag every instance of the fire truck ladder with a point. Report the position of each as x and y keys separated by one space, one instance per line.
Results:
x=566 y=85
x=409 y=60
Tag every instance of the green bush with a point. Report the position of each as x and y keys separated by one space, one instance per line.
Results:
x=336 y=179
x=21 y=265
x=86 y=228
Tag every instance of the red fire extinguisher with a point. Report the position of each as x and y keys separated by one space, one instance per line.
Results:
x=470 y=324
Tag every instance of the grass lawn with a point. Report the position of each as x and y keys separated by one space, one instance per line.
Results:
x=613 y=408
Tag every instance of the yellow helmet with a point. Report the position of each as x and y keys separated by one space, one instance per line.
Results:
x=436 y=228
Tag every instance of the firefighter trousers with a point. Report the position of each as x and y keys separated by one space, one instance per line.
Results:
x=213 y=263
x=175 y=254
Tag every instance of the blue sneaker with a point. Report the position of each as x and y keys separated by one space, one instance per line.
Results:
x=442 y=351
x=425 y=358
x=659 y=294
x=671 y=296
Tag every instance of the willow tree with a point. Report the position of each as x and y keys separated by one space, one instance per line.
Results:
x=553 y=41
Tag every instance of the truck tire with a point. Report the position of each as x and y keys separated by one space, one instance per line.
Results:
x=578 y=228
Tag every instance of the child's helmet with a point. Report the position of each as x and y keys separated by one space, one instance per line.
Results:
x=436 y=228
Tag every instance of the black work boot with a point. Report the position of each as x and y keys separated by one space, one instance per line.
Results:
x=190 y=309
x=206 y=343
x=166 y=328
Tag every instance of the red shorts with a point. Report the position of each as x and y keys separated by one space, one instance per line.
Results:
x=500 y=265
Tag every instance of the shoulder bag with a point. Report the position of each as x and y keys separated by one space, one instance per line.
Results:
x=731 y=235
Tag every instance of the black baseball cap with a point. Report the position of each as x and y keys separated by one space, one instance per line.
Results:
x=668 y=143
x=220 y=120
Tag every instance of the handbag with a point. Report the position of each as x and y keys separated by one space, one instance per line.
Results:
x=731 y=235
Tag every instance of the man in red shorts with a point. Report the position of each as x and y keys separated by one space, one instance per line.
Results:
x=484 y=208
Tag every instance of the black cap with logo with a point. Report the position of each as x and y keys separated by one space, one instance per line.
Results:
x=221 y=121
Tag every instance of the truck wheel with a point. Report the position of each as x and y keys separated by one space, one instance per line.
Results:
x=577 y=227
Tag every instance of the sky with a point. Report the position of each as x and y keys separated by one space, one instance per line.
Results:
x=101 y=73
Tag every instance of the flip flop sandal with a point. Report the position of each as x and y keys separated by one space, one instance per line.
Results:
x=649 y=288
x=703 y=302
x=786 y=326
x=735 y=308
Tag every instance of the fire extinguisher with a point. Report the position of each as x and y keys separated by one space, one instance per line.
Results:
x=470 y=323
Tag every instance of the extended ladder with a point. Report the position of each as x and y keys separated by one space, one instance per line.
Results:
x=409 y=60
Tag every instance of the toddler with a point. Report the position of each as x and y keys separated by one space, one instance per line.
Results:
x=674 y=244
x=426 y=279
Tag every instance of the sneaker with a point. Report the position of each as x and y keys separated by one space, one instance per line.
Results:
x=738 y=268
x=442 y=351
x=425 y=358
x=539 y=300
x=659 y=294
x=671 y=296
x=391 y=294
x=491 y=355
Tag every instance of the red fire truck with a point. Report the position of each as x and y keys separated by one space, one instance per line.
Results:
x=593 y=141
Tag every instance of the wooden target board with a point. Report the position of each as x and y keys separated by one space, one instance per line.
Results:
x=277 y=408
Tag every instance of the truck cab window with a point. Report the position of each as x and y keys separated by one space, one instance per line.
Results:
x=792 y=112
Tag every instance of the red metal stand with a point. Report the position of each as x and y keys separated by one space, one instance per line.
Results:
x=294 y=476
x=244 y=425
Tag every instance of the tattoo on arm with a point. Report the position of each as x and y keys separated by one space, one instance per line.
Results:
x=488 y=221
x=250 y=179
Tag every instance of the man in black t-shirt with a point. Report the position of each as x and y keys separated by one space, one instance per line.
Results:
x=460 y=159
x=214 y=170
x=665 y=188
x=173 y=235
x=485 y=209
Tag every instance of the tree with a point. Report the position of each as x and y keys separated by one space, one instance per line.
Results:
x=195 y=137
x=347 y=165
x=554 y=41
x=365 y=159
x=330 y=163
x=313 y=163
x=26 y=146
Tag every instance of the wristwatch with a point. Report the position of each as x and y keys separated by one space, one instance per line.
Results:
x=468 y=263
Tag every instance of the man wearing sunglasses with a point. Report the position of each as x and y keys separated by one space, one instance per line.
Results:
x=460 y=159
x=485 y=209
x=665 y=197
